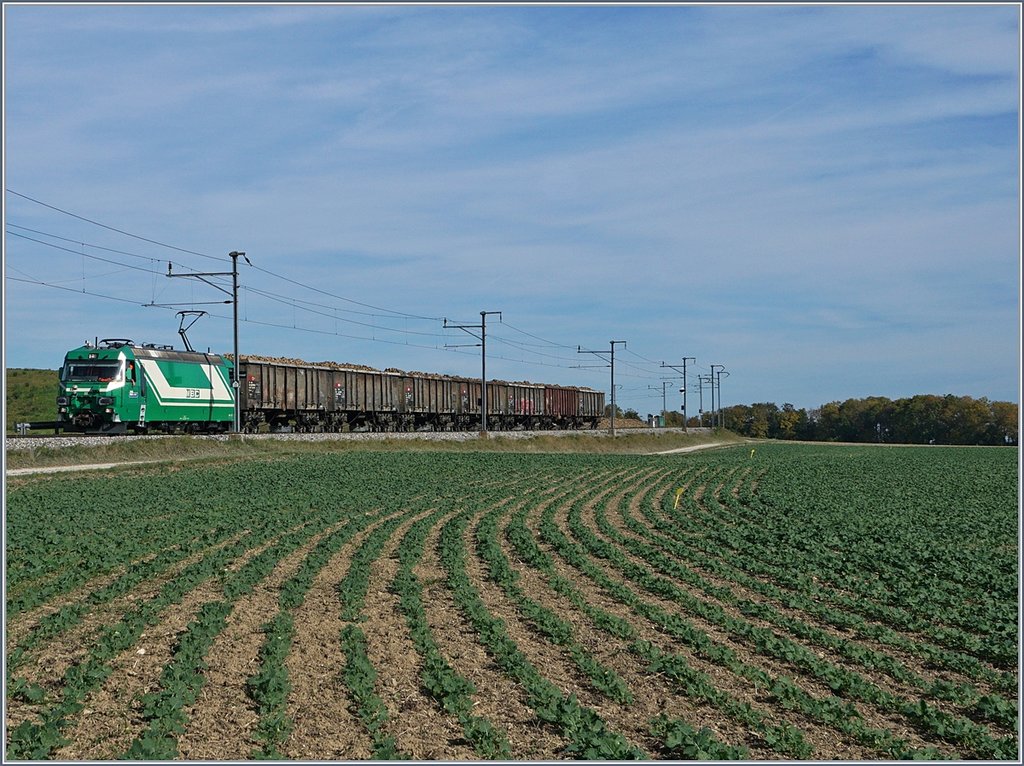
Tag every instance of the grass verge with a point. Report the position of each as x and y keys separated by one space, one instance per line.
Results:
x=178 y=448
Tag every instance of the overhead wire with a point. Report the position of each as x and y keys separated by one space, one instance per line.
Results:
x=152 y=259
x=83 y=254
x=534 y=350
x=535 y=337
x=222 y=280
x=206 y=255
x=296 y=304
x=347 y=300
x=263 y=293
x=79 y=242
x=73 y=279
x=110 y=228
x=75 y=290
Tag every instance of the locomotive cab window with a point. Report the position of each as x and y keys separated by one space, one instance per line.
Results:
x=91 y=370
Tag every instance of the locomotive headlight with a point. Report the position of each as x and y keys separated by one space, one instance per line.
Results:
x=62 y=400
x=105 y=400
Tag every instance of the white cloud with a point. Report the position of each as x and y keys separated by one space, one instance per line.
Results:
x=746 y=178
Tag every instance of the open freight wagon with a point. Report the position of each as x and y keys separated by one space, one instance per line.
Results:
x=315 y=397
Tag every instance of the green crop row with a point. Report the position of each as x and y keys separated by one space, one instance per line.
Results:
x=452 y=691
x=588 y=735
x=884 y=537
x=841 y=680
x=747 y=583
x=666 y=551
x=711 y=535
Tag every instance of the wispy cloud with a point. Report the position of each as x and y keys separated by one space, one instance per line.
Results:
x=749 y=183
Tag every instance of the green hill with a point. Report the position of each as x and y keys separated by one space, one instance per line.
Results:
x=31 y=396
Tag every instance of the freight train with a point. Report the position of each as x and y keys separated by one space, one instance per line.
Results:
x=117 y=386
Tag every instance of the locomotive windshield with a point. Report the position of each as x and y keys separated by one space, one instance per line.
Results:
x=91 y=370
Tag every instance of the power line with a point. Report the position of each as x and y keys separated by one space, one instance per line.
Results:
x=530 y=350
x=294 y=303
x=83 y=254
x=249 y=321
x=74 y=290
x=537 y=337
x=205 y=255
x=278 y=296
x=267 y=294
x=110 y=228
x=77 y=242
x=273 y=295
x=348 y=300
x=638 y=356
x=533 y=350
x=334 y=333
x=270 y=296
x=73 y=279
x=293 y=327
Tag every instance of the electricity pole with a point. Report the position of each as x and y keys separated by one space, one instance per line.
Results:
x=683 y=389
x=722 y=366
x=721 y=415
x=579 y=350
x=692 y=359
x=664 y=403
x=234 y=300
x=482 y=337
x=701 y=380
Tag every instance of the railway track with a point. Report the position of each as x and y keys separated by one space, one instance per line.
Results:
x=81 y=440
x=14 y=443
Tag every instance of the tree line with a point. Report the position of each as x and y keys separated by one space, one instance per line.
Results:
x=922 y=419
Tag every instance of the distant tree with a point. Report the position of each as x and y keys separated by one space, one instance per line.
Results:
x=828 y=422
x=788 y=419
x=968 y=419
x=922 y=419
x=764 y=421
x=805 y=426
x=736 y=418
x=631 y=414
x=673 y=419
x=1004 y=425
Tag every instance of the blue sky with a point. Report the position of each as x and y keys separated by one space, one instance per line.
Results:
x=825 y=200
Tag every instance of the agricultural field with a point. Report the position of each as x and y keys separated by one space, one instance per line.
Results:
x=772 y=602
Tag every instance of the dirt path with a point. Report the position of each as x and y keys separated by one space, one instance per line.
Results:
x=107 y=466
x=86 y=467
x=693 y=448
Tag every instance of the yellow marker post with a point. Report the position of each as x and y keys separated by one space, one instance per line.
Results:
x=752 y=452
x=679 y=492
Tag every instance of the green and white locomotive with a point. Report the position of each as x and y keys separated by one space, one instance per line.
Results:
x=118 y=386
